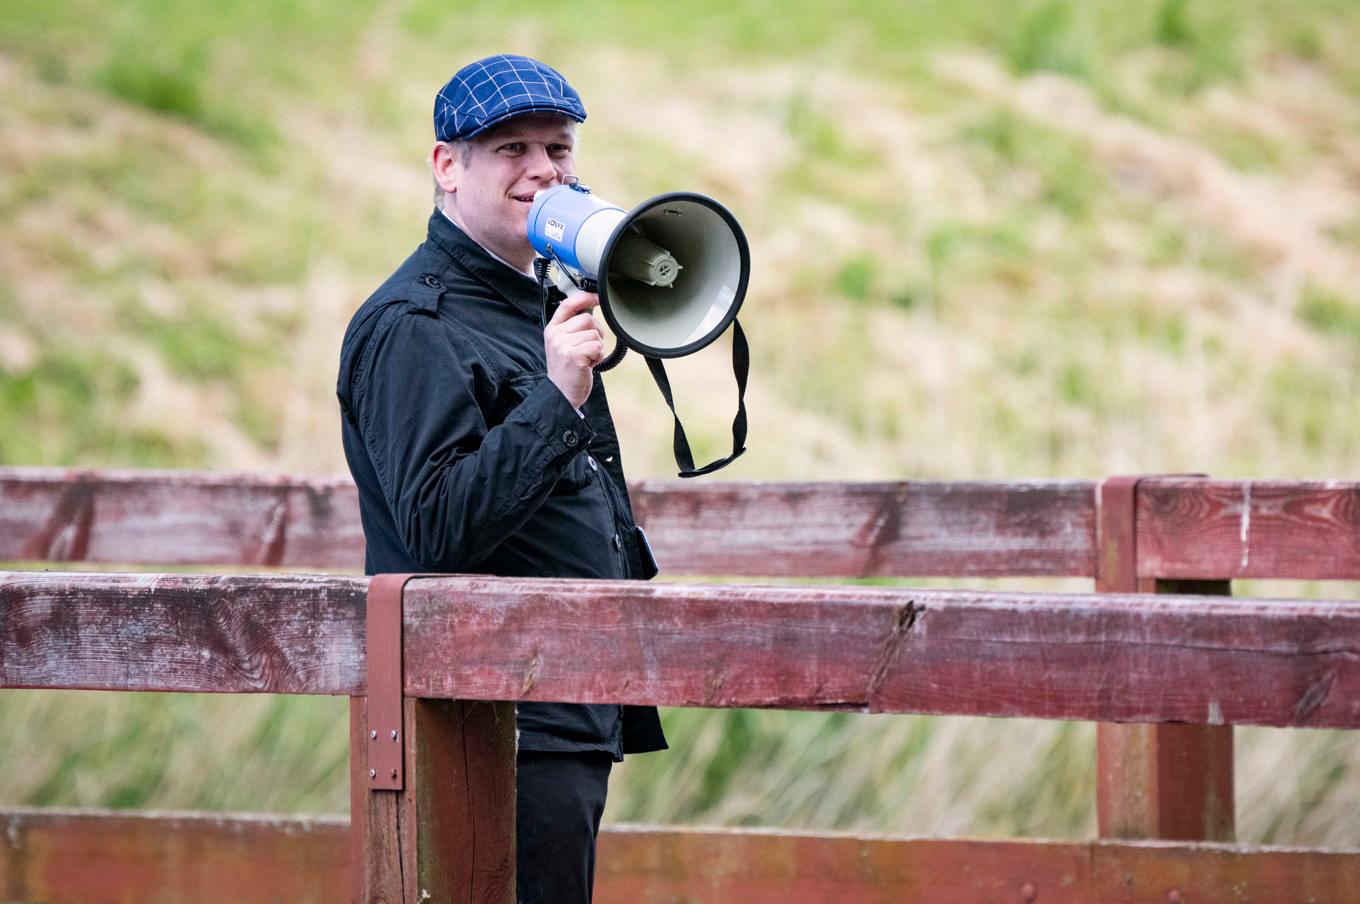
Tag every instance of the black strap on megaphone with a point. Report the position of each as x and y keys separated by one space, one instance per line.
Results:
x=741 y=364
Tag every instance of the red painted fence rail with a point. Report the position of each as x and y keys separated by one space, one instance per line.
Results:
x=1187 y=527
x=1098 y=657
x=211 y=858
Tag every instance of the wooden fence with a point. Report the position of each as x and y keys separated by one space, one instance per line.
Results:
x=1166 y=676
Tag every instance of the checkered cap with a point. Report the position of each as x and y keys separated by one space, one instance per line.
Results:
x=492 y=90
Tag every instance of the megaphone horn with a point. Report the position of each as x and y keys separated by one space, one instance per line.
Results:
x=671 y=273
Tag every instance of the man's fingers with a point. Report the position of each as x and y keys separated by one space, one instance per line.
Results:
x=592 y=352
x=580 y=323
x=567 y=339
x=573 y=344
x=574 y=304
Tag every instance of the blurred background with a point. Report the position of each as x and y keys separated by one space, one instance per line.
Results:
x=991 y=239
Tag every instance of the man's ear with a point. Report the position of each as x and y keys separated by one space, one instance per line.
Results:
x=447 y=164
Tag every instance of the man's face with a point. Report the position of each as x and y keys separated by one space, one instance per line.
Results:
x=493 y=190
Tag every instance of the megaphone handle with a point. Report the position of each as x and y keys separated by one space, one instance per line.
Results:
x=741 y=364
x=547 y=287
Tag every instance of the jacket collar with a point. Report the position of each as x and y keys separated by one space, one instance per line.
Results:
x=515 y=287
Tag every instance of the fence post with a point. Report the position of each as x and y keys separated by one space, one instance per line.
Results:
x=1172 y=781
x=439 y=825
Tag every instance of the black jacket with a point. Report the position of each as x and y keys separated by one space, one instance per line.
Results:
x=468 y=459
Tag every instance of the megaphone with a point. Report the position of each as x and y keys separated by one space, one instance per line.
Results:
x=671 y=275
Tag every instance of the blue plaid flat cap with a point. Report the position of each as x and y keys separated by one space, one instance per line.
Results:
x=492 y=90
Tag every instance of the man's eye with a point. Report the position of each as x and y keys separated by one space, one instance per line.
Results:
x=514 y=147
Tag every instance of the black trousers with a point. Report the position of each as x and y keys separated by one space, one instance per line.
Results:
x=560 y=798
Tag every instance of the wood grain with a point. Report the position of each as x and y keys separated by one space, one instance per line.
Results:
x=1188 y=527
x=87 y=857
x=1221 y=530
x=873 y=649
x=378 y=870
x=805 y=529
x=756 y=867
x=1093 y=657
x=179 y=518
x=464 y=805
x=870 y=529
x=1167 y=781
x=449 y=834
x=93 y=857
x=288 y=634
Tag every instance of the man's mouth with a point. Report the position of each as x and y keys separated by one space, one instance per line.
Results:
x=526 y=199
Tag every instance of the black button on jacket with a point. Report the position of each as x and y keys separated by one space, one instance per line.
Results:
x=468 y=459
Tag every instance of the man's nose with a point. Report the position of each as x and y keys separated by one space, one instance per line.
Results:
x=540 y=165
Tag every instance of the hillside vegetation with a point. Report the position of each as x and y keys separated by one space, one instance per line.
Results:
x=991 y=240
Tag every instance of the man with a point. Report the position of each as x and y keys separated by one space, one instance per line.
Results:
x=481 y=441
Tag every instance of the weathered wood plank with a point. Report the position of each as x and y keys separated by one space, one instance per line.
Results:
x=808 y=529
x=463 y=760
x=86 y=857
x=877 y=649
x=179 y=518
x=870 y=529
x=1189 y=527
x=644 y=864
x=1168 y=781
x=92 y=857
x=1249 y=529
x=1133 y=873
x=294 y=634
x=377 y=869
x=1093 y=657
x=758 y=867
x=449 y=834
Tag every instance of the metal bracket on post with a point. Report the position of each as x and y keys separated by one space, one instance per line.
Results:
x=386 y=738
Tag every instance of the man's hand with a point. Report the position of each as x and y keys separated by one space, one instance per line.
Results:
x=573 y=346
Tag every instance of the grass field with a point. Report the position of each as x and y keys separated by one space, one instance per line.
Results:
x=991 y=240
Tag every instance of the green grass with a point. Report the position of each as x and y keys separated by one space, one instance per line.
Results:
x=1331 y=314
x=62 y=411
x=184 y=751
x=855 y=279
x=1064 y=178
x=197 y=345
x=1052 y=37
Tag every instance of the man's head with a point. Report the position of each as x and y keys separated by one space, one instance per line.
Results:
x=505 y=127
